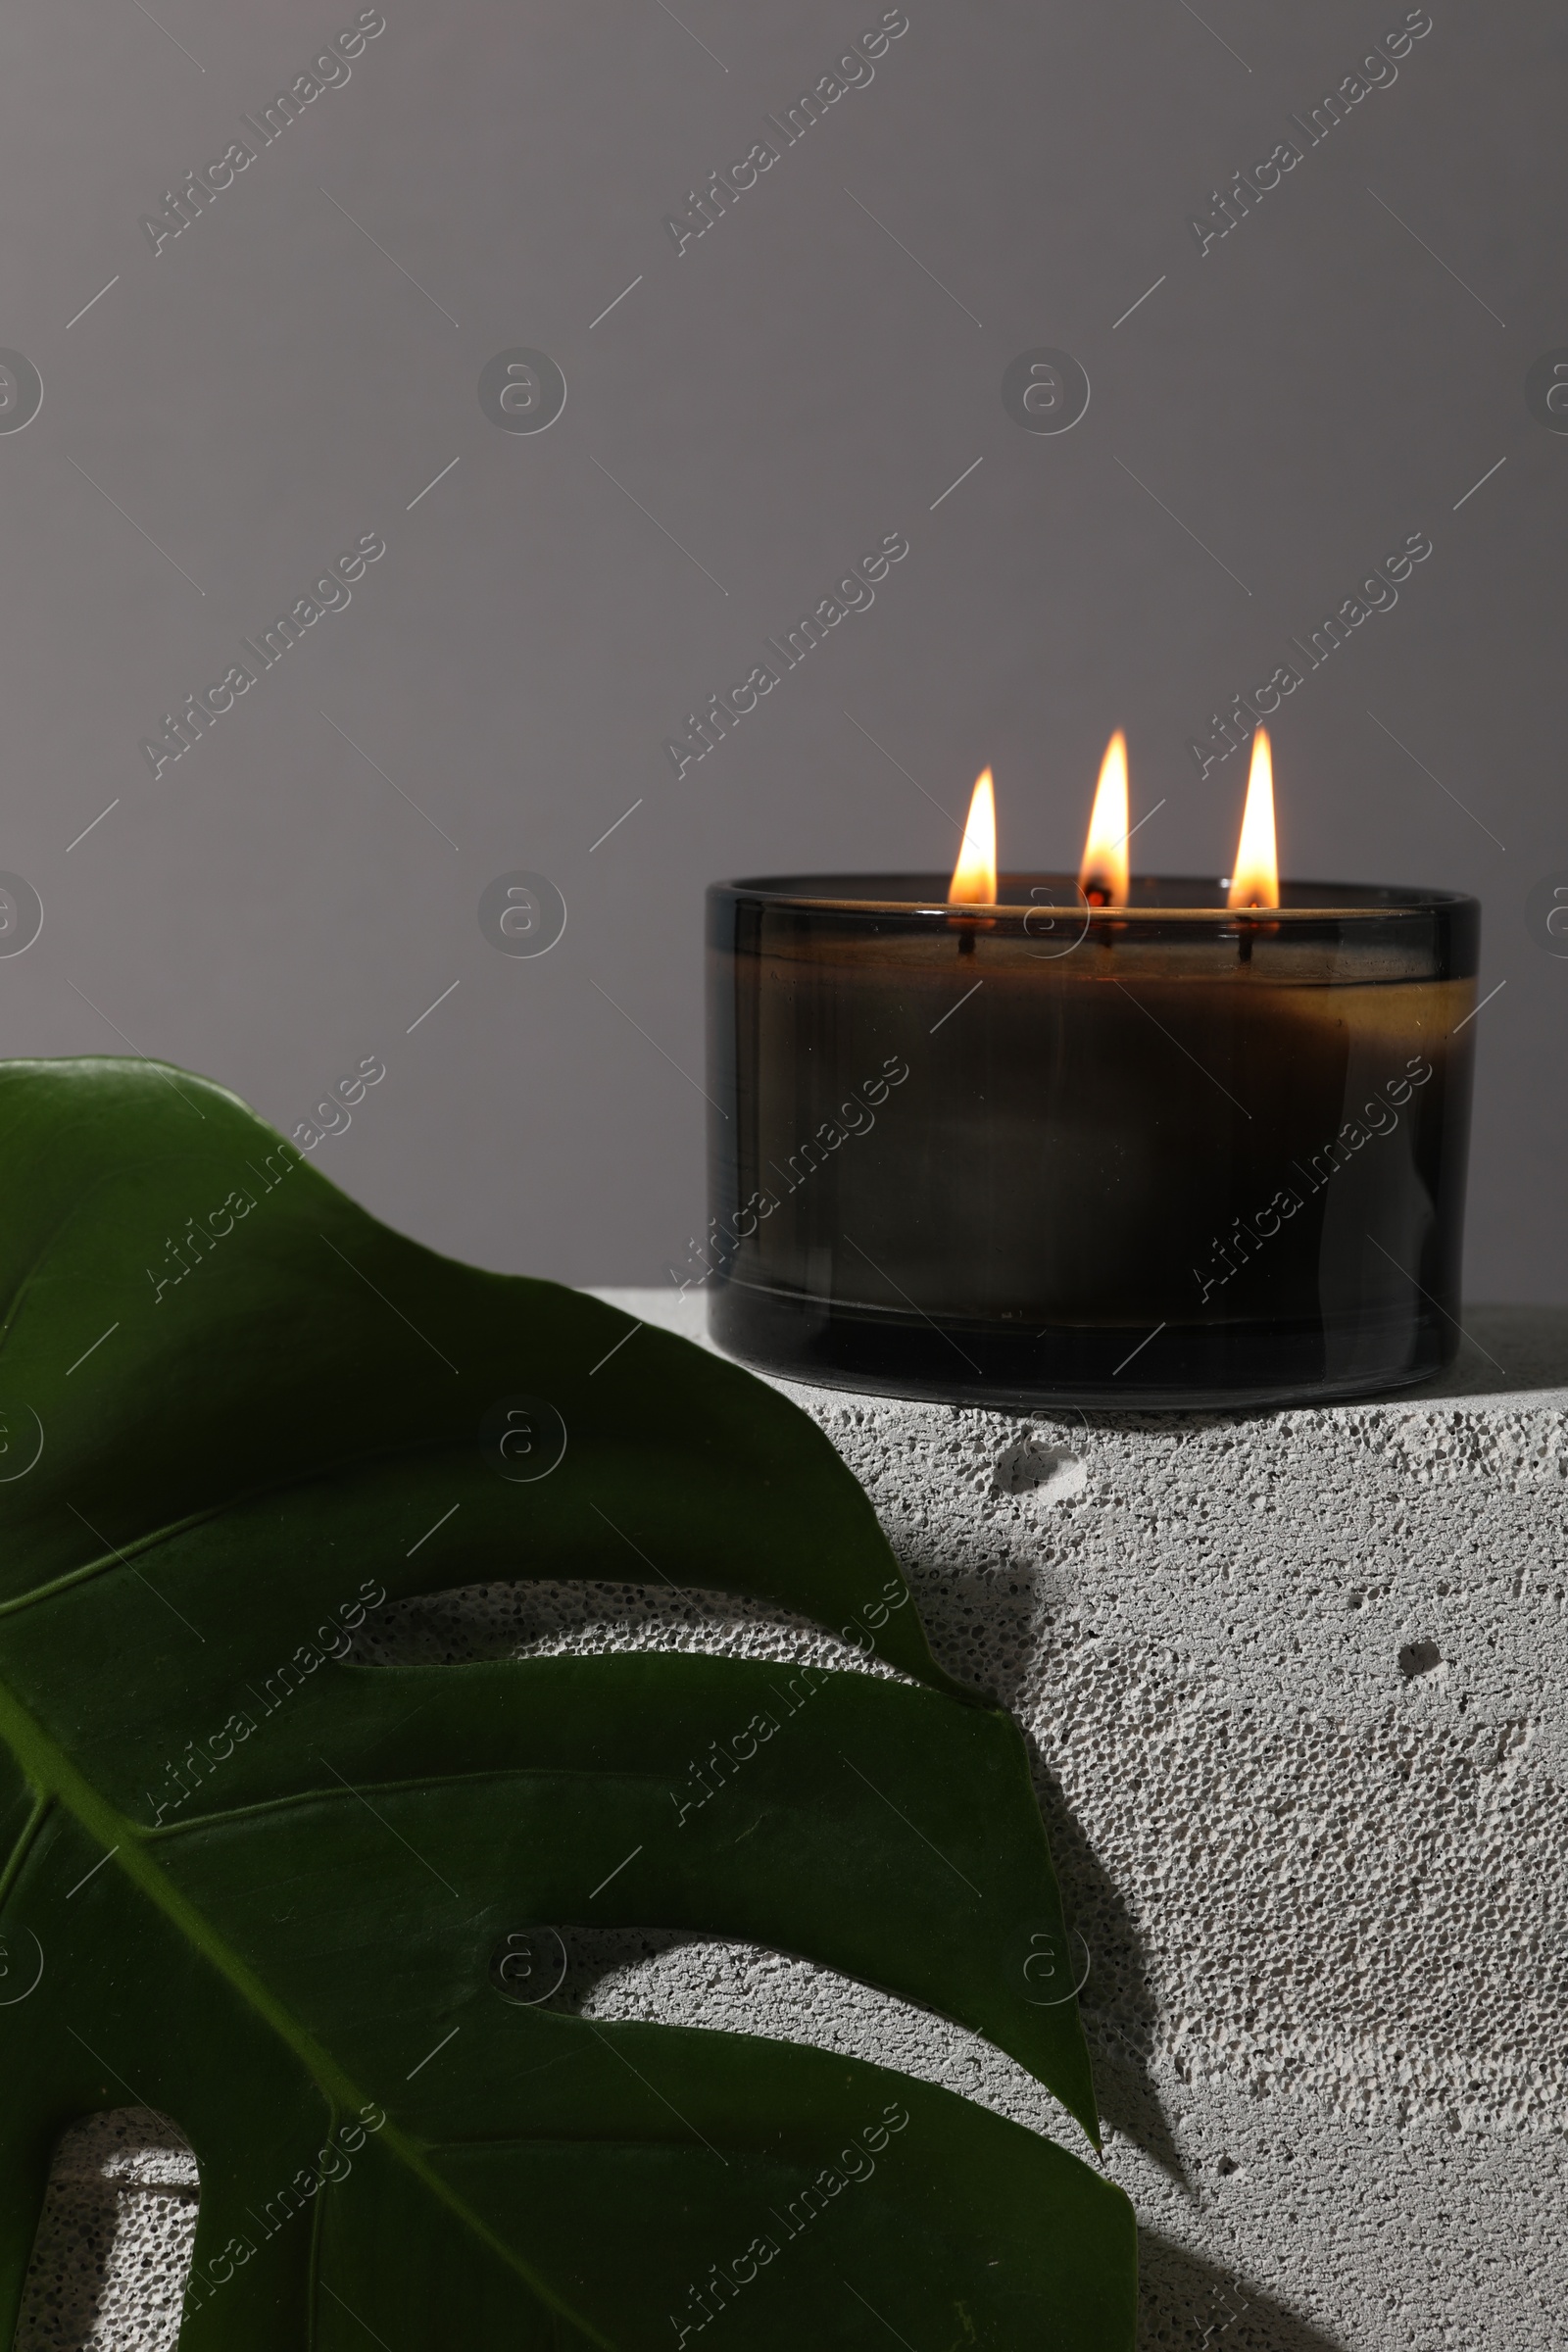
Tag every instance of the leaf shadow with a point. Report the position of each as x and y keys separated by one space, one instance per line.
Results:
x=1186 y=2304
x=984 y=1628
x=1117 y=2000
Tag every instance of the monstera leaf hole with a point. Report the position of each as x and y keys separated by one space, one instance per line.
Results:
x=115 y=2239
x=548 y=1617
x=708 y=1983
x=688 y=1975
x=273 y=1858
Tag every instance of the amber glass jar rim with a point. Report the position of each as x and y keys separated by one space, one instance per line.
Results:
x=1307 y=902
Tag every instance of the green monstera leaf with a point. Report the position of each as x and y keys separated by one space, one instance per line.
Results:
x=290 y=1898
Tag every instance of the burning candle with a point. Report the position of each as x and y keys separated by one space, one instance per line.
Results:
x=1114 y=1141
x=1102 y=877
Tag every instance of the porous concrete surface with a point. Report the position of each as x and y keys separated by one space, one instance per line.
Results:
x=113 y=2245
x=1294 y=1686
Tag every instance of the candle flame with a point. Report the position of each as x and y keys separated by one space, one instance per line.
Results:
x=974 y=877
x=1102 y=876
x=1255 y=881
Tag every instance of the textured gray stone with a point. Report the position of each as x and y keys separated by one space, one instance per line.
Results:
x=1294 y=1688
x=115 y=2241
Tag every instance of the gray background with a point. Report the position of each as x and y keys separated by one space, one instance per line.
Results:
x=270 y=386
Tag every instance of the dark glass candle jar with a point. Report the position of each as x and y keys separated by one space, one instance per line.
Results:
x=1167 y=1154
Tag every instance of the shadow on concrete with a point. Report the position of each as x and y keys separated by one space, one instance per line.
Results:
x=985 y=1630
x=1188 y=2305
x=1117 y=2000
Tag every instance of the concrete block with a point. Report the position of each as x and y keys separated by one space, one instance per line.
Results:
x=1294 y=1686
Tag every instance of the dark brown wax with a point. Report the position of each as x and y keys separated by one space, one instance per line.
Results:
x=1034 y=1154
